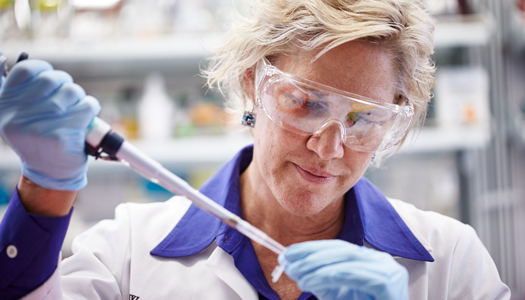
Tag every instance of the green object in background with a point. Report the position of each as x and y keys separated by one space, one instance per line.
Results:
x=44 y=5
x=6 y=4
x=186 y=129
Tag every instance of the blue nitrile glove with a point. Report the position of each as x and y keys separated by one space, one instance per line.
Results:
x=43 y=117
x=335 y=269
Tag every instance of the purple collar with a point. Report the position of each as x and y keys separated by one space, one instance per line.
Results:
x=369 y=216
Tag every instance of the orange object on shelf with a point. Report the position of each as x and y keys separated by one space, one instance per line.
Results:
x=206 y=114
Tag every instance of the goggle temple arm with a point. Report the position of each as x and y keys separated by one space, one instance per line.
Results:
x=404 y=119
x=260 y=75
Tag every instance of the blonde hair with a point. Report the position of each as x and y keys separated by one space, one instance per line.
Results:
x=279 y=26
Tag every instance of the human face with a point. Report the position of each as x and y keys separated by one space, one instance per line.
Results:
x=308 y=173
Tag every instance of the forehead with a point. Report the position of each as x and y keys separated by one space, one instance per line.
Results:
x=357 y=67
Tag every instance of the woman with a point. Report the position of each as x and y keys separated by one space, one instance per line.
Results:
x=332 y=86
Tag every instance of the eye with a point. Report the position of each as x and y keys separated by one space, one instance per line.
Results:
x=351 y=119
x=311 y=104
x=291 y=99
x=375 y=116
x=378 y=116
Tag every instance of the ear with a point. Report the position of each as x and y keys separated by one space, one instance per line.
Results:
x=249 y=83
x=400 y=100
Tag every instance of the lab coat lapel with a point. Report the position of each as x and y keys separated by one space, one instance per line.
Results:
x=414 y=229
x=383 y=226
x=222 y=265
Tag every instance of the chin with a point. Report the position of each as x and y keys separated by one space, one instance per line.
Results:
x=303 y=206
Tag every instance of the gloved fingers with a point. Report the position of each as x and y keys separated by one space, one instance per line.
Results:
x=52 y=114
x=41 y=86
x=301 y=250
x=326 y=279
x=82 y=113
x=77 y=117
x=26 y=70
x=369 y=279
x=324 y=258
x=47 y=127
x=379 y=263
x=66 y=96
x=53 y=106
x=85 y=110
x=48 y=123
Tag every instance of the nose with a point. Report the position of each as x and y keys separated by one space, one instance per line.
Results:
x=327 y=141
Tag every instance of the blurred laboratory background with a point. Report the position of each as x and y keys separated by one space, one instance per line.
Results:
x=141 y=59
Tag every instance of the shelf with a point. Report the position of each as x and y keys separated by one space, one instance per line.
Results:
x=122 y=49
x=180 y=154
x=121 y=56
x=431 y=139
x=180 y=54
x=463 y=31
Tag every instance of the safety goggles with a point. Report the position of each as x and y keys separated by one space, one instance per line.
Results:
x=307 y=107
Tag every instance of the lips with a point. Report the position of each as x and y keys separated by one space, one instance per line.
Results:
x=314 y=175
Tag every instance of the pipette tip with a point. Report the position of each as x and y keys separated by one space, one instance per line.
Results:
x=277 y=273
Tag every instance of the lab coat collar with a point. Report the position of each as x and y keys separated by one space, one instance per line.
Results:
x=220 y=264
x=383 y=227
x=380 y=224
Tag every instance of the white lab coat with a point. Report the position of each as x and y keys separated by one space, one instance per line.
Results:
x=112 y=261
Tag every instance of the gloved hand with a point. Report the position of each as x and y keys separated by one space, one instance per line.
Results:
x=43 y=117
x=335 y=269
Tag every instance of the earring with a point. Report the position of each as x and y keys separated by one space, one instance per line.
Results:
x=248 y=119
x=373 y=157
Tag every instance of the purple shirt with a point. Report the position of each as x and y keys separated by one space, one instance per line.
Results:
x=369 y=216
x=37 y=240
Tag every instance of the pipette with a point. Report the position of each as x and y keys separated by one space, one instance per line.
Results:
x=102 y=139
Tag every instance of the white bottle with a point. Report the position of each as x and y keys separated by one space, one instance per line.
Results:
x=155 y=110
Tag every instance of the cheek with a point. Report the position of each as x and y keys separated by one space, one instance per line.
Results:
x=273 y=141
x=358 y=158
x=265 y=144
x=273 y=148
x=357 y=162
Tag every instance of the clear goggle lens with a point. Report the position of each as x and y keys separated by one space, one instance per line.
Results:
x=307 y=107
